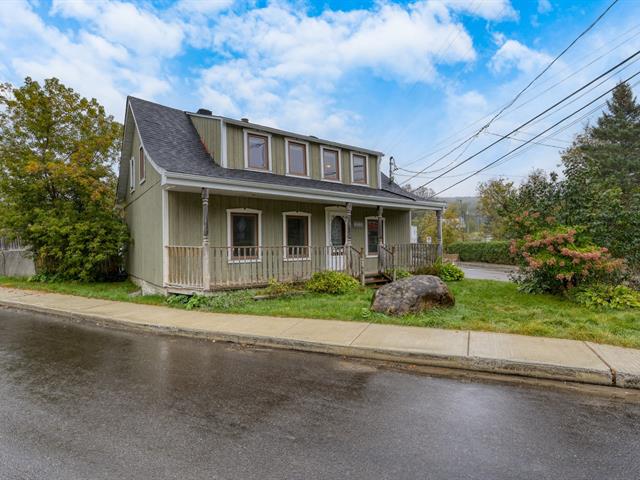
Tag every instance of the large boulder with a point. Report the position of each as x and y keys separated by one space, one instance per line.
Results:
x=412 y=295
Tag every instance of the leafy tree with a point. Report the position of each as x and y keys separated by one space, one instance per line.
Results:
x=452 y=230
x=497 y=201
x=57 y=152
x=602 y=169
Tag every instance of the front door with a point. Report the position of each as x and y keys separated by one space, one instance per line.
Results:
x=336 y=239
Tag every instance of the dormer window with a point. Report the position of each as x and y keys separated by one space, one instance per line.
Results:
x=257 y=153
x=330 y=164
x=358 y=168
x=297 y=159
x=141 y=172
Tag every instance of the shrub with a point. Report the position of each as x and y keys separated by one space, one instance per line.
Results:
x=556 y=258
x=607 y=296
x=222 y=300
x=335 y=283
x=231 y=299
x=188 y=301
x=447 y=272
x=400 y=273
x=450 y=272
x=278 y=289
x=489 y=252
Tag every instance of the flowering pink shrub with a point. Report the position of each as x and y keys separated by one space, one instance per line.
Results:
x=556 y=258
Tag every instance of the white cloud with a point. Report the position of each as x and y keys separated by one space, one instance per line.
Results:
x=277 y=64
x=487 y=9
x=88 y=60
x=79 y=9
x=513 y=54
x=125 y=23
x=203 y=7
x=275 y=49
x=544 y=6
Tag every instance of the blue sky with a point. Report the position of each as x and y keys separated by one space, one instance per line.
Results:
x=406 y=78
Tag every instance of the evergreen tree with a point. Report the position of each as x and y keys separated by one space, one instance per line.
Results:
x=602 y=170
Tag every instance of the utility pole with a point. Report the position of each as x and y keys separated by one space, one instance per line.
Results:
x=392 y=168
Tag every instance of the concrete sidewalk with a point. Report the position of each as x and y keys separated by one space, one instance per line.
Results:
x=549 y=358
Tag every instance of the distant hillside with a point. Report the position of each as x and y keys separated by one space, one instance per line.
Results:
x=471 y=203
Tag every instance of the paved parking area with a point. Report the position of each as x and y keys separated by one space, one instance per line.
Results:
x=487 y=271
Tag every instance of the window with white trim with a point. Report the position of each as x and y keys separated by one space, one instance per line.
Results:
x=330 y=164
x=374 y=232
x=141 y=172
x=297 y=235
x=132 y=173
x=244 y=235
x=257 y=151
x=297 y=158
x=358 y=168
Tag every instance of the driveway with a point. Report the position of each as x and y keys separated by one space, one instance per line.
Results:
x=486 y=271
x=80 y=402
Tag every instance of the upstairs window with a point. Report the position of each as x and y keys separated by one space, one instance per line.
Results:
x=296 y=235
x=141 y=164
x=358 y=169
x=375 y=233
x=330 y=164
x=297 y=158
x=257 y=151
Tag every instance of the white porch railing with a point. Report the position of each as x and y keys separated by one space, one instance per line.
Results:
x=233 y=267
x=247 y=266
x=185 y=267
x=406 y=256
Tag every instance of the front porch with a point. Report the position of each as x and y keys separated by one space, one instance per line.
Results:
x=221 y=242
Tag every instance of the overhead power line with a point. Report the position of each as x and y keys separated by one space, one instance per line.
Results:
x=557 y=57
x=544 y=112
x=519 y=94
x=532 y=139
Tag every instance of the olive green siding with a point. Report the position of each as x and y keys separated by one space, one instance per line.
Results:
x=235 y=157
x=143 y=213
x=235 y=149
x=209 y=130
x=185 y=221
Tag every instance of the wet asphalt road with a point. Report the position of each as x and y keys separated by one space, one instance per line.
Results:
x=80 y=402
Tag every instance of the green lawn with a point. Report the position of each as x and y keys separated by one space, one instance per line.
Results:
x=480 y=305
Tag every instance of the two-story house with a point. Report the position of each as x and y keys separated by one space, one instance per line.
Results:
x=212 y=202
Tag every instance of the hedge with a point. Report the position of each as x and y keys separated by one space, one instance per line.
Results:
x=489 y=252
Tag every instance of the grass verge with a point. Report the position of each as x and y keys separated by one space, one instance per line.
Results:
x=480 y=305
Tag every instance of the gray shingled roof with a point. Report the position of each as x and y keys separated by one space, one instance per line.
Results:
x=172 y=142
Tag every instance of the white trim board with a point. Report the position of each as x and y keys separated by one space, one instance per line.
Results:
x=165 y=236
x=286 y=191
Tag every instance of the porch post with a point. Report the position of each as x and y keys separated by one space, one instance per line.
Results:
x=206 y=274
x=348 y=225
x=380 y=239
x=439 y=234
x=380 y=227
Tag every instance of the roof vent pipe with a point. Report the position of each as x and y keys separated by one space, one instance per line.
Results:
x=204 y=111
x=244 y=119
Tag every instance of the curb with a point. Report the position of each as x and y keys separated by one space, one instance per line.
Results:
x=477 y=364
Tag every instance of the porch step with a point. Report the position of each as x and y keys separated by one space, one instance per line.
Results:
x=375 y=280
